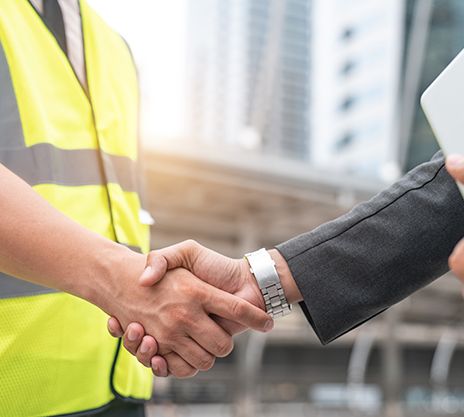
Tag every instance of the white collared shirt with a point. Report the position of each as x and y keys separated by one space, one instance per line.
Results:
x=73 y=30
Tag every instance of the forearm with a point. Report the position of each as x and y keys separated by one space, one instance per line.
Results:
x=41 y=245
x=353 y=268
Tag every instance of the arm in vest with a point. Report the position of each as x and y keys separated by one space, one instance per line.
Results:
x=42 y=246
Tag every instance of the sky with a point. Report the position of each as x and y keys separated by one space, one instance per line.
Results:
x=156 y=32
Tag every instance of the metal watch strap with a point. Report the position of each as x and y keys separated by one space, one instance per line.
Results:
x=262 y=266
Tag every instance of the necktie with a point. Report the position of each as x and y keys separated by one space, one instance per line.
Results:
x=74 y=41
x=53 y=18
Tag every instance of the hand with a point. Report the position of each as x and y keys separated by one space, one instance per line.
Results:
x=228 y=274
x=176 y=311
x=455 y=166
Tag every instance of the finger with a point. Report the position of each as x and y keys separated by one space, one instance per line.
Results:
x=155 y=269
x=455 y=166
x=114 y=327
x=194 y=354
x=171 y=257
x=159 y=366
x=233 y=308
x=456 y=260
x=178 y=367
x=229 y=326
x=211 y=337
x=133 y=337
x=147 y=349
x=182 y=255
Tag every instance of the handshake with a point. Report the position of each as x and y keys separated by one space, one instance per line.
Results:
x=182 y=311
x=187 y=305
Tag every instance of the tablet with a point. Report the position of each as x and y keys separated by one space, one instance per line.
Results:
x=443 y=105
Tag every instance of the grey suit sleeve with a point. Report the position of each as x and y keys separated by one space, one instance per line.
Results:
x=356 y=266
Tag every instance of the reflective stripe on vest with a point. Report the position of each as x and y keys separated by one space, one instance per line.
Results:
x=10 y=125
x=38 y=165
x=11 y=287
x=79 y=153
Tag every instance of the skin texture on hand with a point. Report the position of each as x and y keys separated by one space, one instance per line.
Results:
x=177 y=312
x=230 y=275
x=455 y=166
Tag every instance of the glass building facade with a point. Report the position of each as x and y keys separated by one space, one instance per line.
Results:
x=445 y=40
x=286 y=111
x=249 y=75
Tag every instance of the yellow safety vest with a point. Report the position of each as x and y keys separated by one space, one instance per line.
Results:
x=78 y=150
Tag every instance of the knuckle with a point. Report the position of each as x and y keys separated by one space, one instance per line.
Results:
x=197 y=293
x=205 y=363
x=224 y=346
x=187 y=323
x=191 y=248
x=180 y=316
x=237 y=308
x=152 y=256
x=191 y=243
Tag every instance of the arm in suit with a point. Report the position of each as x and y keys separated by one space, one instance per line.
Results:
x=350 y=269
x=356 y=266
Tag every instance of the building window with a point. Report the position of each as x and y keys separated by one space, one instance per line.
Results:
x=347 y=34
x=344 y=142
x=347 y=68
x=347 y=103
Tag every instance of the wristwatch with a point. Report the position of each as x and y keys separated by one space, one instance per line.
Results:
x=262 y=266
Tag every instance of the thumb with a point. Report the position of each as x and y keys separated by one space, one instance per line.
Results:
x=159 y=262
x=155 y=269
x=455 y=166
x=180 y=255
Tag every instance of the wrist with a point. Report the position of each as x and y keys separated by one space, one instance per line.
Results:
x=114 y=269
x=287 y=281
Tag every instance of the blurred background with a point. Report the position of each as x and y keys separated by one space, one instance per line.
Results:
x=262 y=119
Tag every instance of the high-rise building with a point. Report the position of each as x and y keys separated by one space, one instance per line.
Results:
x=249 y=74
x=316 y=80
x=356 y=74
